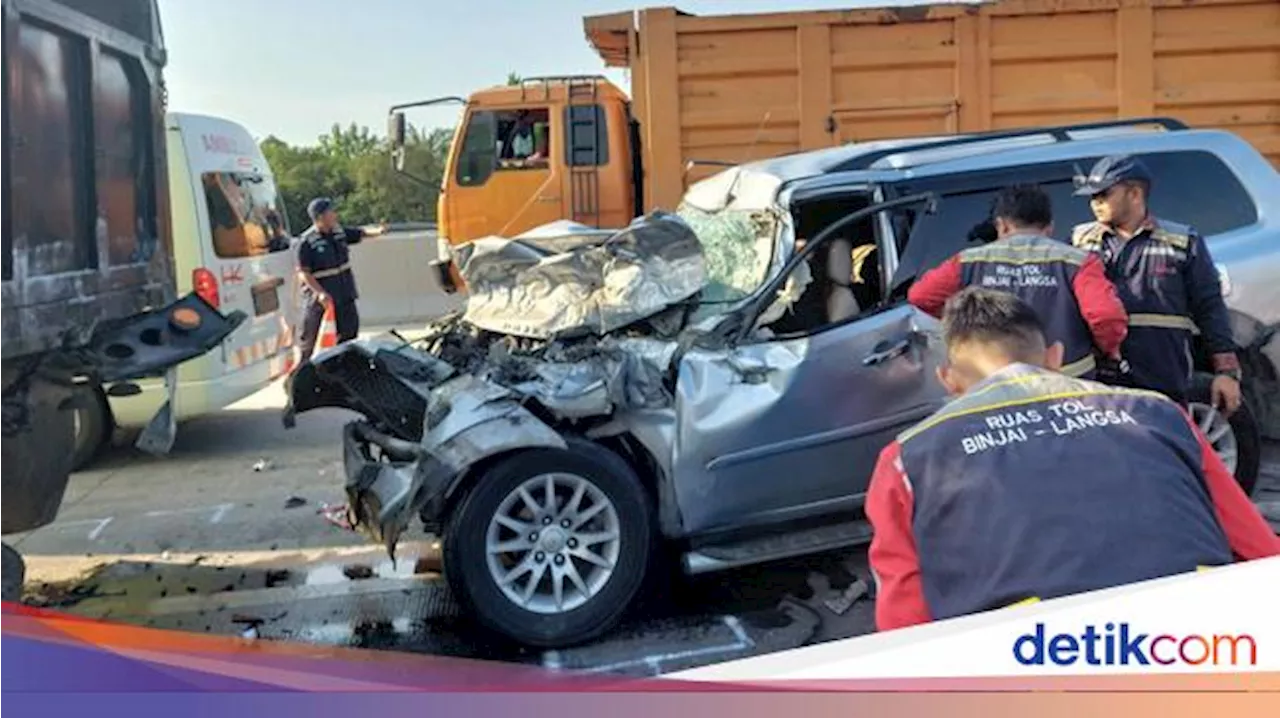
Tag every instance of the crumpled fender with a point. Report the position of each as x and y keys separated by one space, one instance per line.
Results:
x=469 y=420
x=483 y=421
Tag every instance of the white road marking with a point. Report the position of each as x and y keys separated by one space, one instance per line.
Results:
x=218 y=512
x=99 y=525
x=97 y=530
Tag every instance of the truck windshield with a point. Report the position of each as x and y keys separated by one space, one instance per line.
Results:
x=244 y=214
x=738 y=248
x=501 y=140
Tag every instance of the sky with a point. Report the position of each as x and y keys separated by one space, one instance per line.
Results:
x=293 y=68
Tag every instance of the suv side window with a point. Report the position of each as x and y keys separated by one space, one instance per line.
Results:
x=1195 y=187
x=964 y=212
x=1191 y=186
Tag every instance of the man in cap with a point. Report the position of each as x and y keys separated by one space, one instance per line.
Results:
x=324 y=267
x=1066 y=286
x=1167 y=280
x=1035 y=485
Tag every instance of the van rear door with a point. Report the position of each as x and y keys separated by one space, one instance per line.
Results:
x=245 y=243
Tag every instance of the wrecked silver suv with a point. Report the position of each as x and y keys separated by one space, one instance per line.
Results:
x=608 y=396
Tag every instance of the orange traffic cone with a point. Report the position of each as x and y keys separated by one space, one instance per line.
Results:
x=328 y=328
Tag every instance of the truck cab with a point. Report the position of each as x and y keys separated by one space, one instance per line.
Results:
x=530 y=153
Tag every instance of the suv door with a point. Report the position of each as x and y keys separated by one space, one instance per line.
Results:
x=783 y=429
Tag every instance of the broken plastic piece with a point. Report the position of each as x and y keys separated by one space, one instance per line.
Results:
x=841 y=604
x=339 y=516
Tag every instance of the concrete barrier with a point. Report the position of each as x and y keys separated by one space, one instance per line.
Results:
x=396 y=286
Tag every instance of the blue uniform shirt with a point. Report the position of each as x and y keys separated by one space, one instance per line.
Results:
x=326 y=257
x=1167 y=281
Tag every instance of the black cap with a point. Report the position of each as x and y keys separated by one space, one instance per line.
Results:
x=319 y=206
x=1110 y=171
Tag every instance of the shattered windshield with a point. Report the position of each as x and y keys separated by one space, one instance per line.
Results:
x=737 y=246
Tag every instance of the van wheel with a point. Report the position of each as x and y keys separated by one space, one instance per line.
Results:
x=551 y=546
x=92 y=417
x=1237 y=440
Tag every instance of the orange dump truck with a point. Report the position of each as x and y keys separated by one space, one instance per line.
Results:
x=714 y=90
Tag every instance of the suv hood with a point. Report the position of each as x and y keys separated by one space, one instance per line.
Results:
x=566 y=280
x=580 y=321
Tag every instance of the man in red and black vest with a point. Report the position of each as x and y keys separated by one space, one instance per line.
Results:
x=1033 y=484
x=1066 y=286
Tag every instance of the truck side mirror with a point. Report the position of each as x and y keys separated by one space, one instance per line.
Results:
x=396 y=129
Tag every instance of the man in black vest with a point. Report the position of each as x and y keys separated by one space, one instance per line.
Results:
x=324 y=266
x=1066 y=286
x=1166 y=279
x=1033 y=484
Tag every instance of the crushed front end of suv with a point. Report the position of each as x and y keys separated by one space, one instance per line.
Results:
x=571 y=419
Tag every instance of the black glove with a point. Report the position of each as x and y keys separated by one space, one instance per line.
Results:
x=1113 y=371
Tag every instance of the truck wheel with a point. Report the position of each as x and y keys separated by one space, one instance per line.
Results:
x=37 y=459
x=550 y=546
x=15 y=572
x=92 y=416
x=1237 y=440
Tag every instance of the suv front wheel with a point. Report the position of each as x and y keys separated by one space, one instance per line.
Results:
x=1237 y=440
x=550 y=546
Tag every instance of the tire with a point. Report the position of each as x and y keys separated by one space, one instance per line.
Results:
x=15 y=572
x=37 y=459
x=92 y=426
x=1237 y=440
x=473 y=576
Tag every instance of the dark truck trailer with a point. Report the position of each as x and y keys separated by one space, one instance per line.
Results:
x=89 y=289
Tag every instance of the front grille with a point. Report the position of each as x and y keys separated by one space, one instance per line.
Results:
x=396 y=408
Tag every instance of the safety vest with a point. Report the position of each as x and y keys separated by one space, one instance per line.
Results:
x=1035 y=484
x=1148 y=272
x=1039 y=270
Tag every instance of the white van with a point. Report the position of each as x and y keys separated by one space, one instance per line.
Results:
x=232 y=246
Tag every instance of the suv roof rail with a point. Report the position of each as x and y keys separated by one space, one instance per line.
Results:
x=1060 y=133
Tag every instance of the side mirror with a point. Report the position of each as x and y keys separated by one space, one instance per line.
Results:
x=396 y=135
x=396 y=129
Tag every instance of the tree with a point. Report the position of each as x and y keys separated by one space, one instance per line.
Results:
x=353 y=166
x=514 y=79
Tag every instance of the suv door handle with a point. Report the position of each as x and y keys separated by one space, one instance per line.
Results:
x=893 y=351
x=548 y=199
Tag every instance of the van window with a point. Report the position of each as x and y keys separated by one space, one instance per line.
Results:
x=506 y=140
x=245 y=216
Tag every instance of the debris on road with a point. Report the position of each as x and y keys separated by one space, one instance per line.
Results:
x=262 y=465
x=337 y=515
x=840 y=605
x=294 y=502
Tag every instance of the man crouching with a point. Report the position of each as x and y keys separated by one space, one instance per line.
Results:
x=1032 y=484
